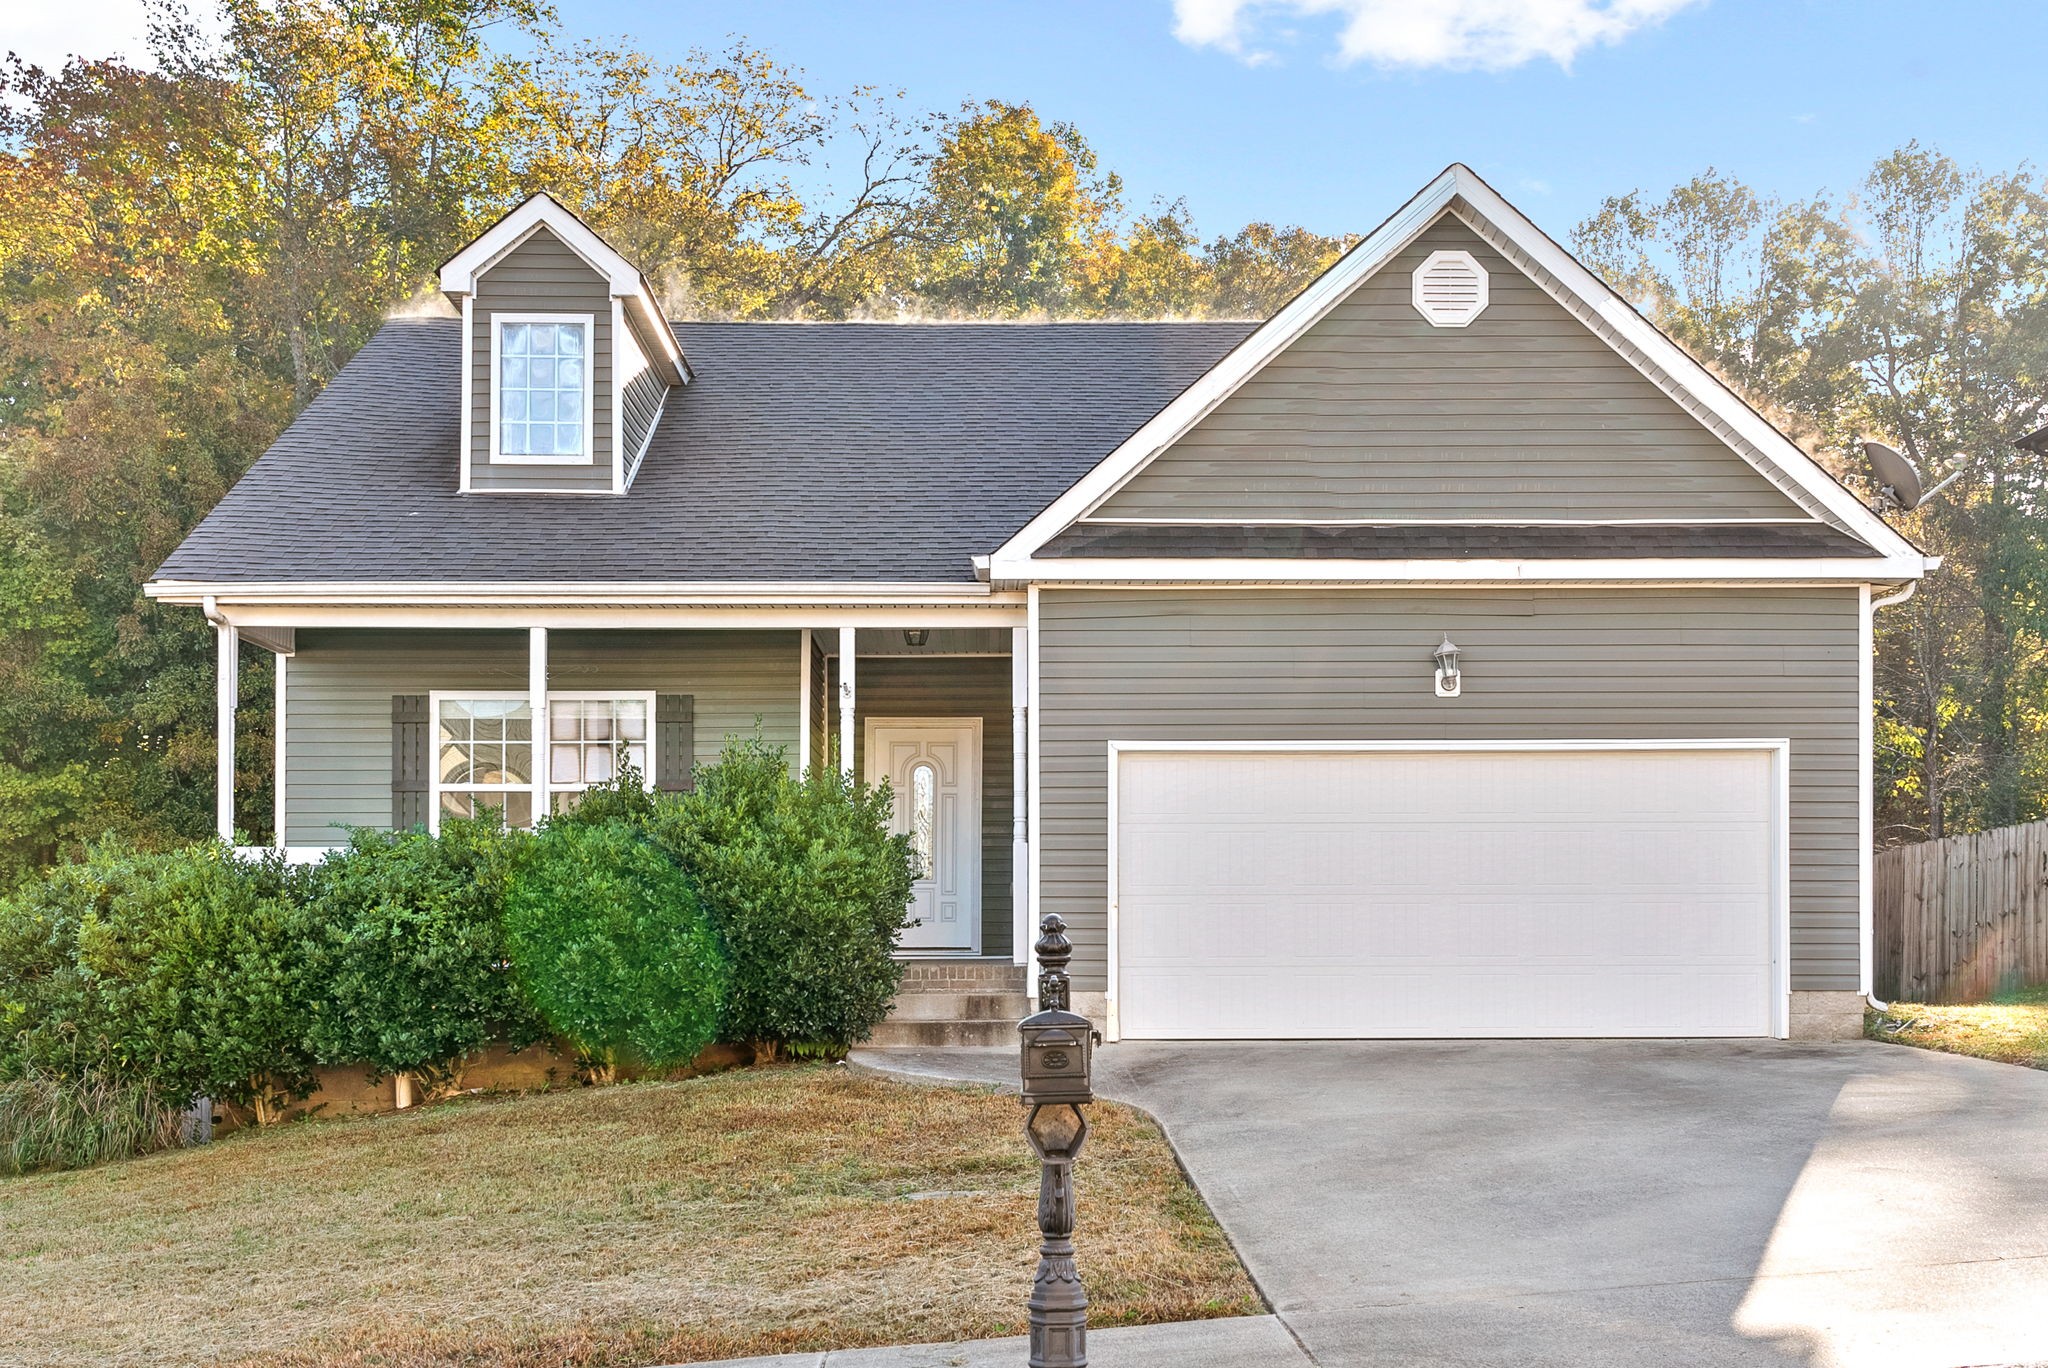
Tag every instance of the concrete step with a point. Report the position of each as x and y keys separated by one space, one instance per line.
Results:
x=960 y=1007
x=895 y=1033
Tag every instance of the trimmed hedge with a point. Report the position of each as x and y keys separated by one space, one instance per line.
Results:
x=807 y=887
x=612 y=948
x=639 y=928
x=406 y=947
x=181 y=968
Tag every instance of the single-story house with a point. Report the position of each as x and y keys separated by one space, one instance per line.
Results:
x=1449 y=654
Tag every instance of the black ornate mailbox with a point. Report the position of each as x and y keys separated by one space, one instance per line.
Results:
x=1058 y=1058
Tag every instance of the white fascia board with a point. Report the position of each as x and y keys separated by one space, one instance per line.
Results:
x=602 y=617
x=1456 y=182
x=643 y=316
x=677 y=594
x=458 y=275
x=1084 y=570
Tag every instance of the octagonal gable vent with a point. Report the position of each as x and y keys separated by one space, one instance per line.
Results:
x=1450 y=289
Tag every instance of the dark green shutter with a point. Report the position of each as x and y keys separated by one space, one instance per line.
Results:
x=409 y=759
x=675 y=742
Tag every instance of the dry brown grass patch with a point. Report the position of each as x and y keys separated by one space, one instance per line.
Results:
x=2012 y=1030
x=759 y=1212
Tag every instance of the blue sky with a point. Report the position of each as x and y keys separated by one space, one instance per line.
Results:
x=1791 y=95
x=1254 y=110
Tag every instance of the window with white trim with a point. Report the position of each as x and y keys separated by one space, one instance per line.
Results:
x=483 y=757
x=592 y=737
x=541 y=400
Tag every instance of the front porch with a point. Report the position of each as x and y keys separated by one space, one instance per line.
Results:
x=395 y=727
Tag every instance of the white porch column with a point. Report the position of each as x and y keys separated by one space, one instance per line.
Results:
x=226 y=683
x=537 y=693
x=278 y=762
x=1020 y=818
x=846 y=635
x=803 y=694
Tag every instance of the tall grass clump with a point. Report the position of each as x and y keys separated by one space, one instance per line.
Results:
x=51 y=1122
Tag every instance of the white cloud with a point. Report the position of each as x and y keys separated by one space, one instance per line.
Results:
x=49 y=32
x=1486 y=35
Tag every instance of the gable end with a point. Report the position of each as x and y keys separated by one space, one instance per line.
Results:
x=1448 y=387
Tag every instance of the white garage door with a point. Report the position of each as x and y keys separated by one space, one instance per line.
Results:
x=1357 y=893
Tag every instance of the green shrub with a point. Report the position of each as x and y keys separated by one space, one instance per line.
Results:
x=611 y=946
x=181 y=969
x=407 y=952
x=624 y=798
x=52 y=1122
x=807 y=887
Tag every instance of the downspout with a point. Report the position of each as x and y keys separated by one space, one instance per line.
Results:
x=1870 y=993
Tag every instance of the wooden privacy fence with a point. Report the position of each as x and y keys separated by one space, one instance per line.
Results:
x=1960 y=919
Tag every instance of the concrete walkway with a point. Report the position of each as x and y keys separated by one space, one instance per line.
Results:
x=1522 y=1204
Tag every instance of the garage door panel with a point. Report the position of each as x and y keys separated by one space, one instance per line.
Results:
x=1275 y=894
x=1222 y=853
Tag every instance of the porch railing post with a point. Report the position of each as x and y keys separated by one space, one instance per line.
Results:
x=846 y=635
x=537 y=694
x=1020 y=816
x=227 y=685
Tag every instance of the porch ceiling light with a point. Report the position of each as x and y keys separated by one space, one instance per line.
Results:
x=915 y=636
x=1448 y=680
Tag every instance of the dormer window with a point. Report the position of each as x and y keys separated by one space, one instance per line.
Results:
x=567 y=362
x=542 y=408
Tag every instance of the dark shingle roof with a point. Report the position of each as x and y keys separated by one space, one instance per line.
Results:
x=1420 y=542
x=875 y=452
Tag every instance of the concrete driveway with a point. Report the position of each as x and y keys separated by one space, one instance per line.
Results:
x=1614 y=1202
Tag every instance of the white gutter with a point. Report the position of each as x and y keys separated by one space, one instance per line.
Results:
x=536 y=592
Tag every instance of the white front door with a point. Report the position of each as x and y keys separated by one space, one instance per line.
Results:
x=933 y=765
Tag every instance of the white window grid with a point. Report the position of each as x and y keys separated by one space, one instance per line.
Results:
x=545 y=749
x=587 y=741
x=588 y=453
x=478 y=753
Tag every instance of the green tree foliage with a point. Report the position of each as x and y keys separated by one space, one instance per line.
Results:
x=807 y=888
x=1914 y=311
x=180 y=969
x=611 y=946
x=407 y=954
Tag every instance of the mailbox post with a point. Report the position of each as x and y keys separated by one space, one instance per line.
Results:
x=1058 y=1050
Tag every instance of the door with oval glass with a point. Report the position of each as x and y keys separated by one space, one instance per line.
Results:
x=933 y=766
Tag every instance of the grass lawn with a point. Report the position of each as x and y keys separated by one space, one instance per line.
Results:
x=2013 y=1029
x=746 y=1213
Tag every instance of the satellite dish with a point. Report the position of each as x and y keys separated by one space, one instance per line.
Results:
x=1898 y=484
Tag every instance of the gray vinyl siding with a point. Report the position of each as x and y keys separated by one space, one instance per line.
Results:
x=1375 y=413
x=640 y=400
x=541 y=275
x=954 y=686
x=1271 y=665
x=339 y=688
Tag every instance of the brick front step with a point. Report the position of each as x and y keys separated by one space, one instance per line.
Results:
x=961 y=976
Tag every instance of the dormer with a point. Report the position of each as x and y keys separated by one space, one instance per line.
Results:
x=567 y=360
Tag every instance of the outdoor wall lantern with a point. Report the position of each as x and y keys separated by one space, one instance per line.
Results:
x=1448 y=680
x=1058 y=1048
x=915 y=636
